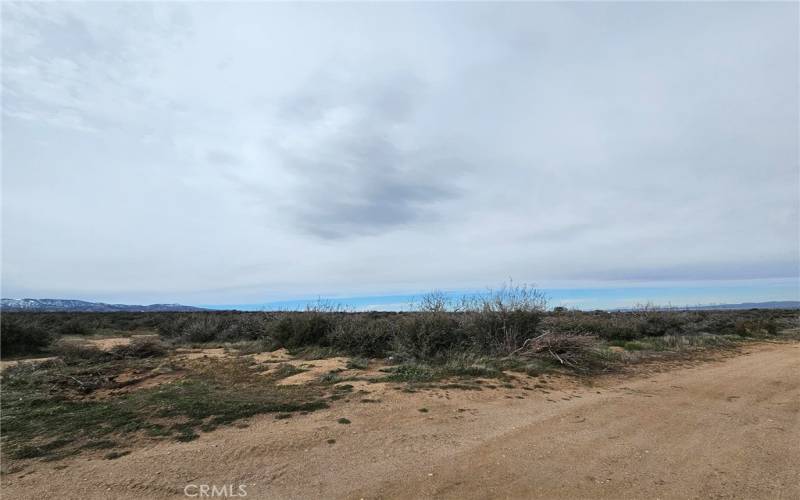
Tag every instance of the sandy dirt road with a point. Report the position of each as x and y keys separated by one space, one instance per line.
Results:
x=728 y=428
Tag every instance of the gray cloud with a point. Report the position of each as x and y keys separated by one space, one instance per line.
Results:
x=366 y=194
x=353 y=176
x=195 y=152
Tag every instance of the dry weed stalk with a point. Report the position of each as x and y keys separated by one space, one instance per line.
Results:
x=568 y=348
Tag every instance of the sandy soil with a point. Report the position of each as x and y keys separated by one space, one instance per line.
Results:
x=14 y=362
x=106 y=344
x=278 y=356
x=723 y=429
x=216 y=352
x=102 y=343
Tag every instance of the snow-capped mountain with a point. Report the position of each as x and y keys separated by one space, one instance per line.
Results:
x=67 y=305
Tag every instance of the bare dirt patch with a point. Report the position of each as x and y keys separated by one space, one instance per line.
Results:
x=14 y=362
x=106 y=344
x=190 y=354
x=278 y=356
x=722 y=429
x=314 y=370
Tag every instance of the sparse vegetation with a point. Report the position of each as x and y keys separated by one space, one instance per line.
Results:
x=46 y=412
x=84 y=400
x=140 y=348
x=497 y=324
x=357 y=364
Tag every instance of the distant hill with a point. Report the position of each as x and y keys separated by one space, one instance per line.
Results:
x=67 y=305
x=784 y=304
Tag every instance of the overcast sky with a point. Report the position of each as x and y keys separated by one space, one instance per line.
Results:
x=221 y=153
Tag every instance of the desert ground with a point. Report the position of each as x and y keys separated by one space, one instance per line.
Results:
x=726 y=427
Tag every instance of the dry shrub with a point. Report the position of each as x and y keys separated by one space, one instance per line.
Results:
x=140 y=348
x=73 y=353
x=501 y=320
x=578 y=352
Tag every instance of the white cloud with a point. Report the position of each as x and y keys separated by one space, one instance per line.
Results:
x=248 y=152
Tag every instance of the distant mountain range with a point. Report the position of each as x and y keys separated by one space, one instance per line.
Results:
x=66 y=305
x=782 y=304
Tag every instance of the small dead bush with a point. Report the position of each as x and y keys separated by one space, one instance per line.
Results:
x=140 y=348
x=74 y=353
x=577 y=352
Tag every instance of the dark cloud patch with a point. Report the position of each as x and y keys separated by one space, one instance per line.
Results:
x=366 y=186
x=356 y=177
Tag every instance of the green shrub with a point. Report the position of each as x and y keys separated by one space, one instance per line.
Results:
x=77 y=326
x=361 y=336
x=459 y=366
x=302 y=329
x=19 y=337
x=430 y=335
x=214 y=327
x=608 y=326
x=660 y=324
x=358 y=364
x=501 y=321
x=755 y=328
x=634 y=346
x=411 y=372
x=173 y=326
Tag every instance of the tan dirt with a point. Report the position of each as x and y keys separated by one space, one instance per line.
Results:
x=722 y=429
x=314 y=370
x=106 y=344
x=216 y=352
x=14 y=362
x=277 y=356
